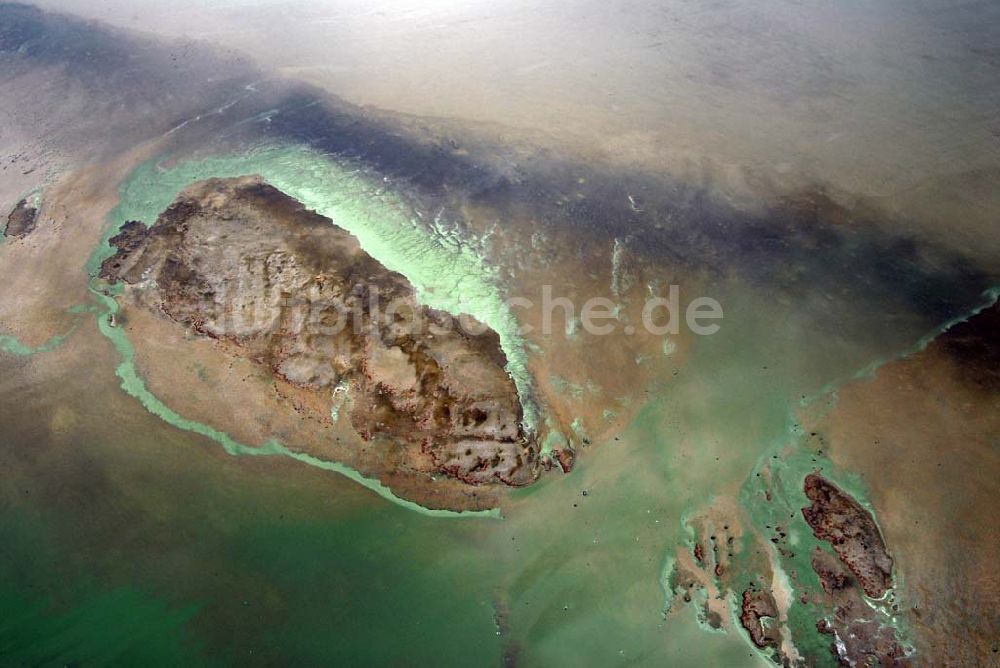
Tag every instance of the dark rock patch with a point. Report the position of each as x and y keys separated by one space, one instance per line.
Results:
x=22 y=220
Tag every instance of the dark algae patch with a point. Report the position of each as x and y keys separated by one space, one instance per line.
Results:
x=975 y=345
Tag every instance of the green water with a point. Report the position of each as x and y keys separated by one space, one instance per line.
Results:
x=91 y=625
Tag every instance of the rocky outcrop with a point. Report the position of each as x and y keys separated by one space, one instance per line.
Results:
x=860 y=637
x=836 y=517
x=239 y=261
x=833 y=575
x=21 y=221
x=759 y=604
